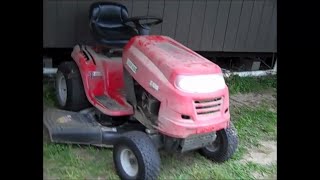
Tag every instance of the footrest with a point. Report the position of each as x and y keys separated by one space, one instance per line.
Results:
x=72 y=127
x=110 y=103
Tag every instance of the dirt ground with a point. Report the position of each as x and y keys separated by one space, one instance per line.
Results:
x=254 y=99
x=266 y=153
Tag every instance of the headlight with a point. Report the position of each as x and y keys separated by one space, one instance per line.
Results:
x=200 y=83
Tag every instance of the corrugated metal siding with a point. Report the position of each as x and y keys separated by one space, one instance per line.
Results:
x=202 y=25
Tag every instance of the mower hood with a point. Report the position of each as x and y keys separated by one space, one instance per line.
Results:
x=173 y=58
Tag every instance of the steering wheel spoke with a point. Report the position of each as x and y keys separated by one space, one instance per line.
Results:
x=143 y=21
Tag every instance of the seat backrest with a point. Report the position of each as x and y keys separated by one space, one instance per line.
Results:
x=106 y=23
x=108 y=13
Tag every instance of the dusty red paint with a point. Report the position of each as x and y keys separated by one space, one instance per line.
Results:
x=158 y=59
x=109 y=84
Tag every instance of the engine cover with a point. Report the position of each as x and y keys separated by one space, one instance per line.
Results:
x=155 y=62
x=168 y=55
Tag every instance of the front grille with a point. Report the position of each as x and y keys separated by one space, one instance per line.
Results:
x=209 y=106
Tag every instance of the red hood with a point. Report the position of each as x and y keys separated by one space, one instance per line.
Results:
x=173 y=58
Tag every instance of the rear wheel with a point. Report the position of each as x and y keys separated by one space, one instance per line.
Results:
x=69 y=87
x=136 y=157
x=223 y=147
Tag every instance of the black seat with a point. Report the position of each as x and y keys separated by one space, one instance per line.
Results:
x=106 y=24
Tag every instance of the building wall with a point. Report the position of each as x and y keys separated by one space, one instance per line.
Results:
x=202 y=25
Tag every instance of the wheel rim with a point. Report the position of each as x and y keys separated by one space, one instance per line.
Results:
x=129 y=162
x=215 y=146
x=62 y=89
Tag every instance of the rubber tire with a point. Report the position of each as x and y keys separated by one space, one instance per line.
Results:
x=145 y=151
x=76 y=97
x=228 y=147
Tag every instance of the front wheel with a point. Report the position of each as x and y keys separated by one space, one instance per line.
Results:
x=223 y=147
x=136 y=157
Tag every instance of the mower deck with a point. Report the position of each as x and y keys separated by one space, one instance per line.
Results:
x=76 y=128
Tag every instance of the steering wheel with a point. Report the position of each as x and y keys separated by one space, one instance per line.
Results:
x=143 y=21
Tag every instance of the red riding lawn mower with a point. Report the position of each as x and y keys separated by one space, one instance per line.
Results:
x=140 y=93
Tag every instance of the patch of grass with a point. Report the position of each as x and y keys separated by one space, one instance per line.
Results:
x=49 y=95
x=255 y=124
x=239 y=84
x=75 y=162
x=270 y=169
x=194 y=166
